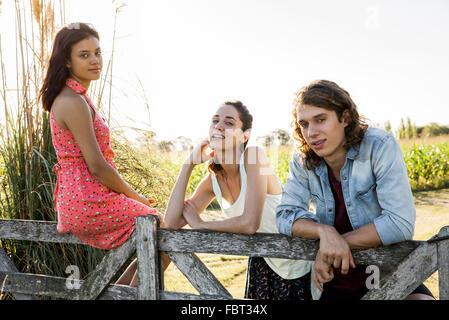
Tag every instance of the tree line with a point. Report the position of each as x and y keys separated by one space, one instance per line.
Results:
x=409 y=130
x=279 y=137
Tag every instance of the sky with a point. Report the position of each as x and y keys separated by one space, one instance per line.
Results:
x=190 y=56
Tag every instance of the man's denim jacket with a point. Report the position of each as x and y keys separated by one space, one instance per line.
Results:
x=375 y=188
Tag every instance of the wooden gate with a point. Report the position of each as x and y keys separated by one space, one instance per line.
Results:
x=403 y=266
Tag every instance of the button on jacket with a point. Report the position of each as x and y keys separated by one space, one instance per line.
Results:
x=375 y=188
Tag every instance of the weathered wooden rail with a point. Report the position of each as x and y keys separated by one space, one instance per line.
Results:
x=403 y=266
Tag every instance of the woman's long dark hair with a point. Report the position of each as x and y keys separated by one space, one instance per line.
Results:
x=57 y=71
x=247 y=123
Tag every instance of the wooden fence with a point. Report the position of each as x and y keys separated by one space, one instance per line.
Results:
x=403 y=266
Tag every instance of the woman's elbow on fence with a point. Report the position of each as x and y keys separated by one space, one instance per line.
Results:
x=171 y=225
x=251 y=229
x=248 y=226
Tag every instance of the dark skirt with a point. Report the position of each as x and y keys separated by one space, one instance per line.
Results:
x=331 y=294
x=262 y=283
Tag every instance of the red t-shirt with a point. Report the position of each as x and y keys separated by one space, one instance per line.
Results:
x=355 y=279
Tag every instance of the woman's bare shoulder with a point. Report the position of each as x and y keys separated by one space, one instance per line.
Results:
x=68 y=100
x=70 y=107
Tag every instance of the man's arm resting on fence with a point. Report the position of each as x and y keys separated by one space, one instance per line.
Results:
x=364 y=237
x=334 y=249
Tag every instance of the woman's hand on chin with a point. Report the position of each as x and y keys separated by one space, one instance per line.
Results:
x=201 y=153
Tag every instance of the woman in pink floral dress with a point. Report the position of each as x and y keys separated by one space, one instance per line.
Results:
x=92 y=201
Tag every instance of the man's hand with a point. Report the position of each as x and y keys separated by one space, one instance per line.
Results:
x=322 y=270
x=334 y=250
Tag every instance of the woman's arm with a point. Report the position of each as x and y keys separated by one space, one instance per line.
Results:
x=249 y=221
x=177 y=206
x=202 y=196
x=173 y=215
x=75 y=113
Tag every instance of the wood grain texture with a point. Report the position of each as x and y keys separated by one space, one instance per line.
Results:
x=409 y=274
x=42 y=285
x=274 y=245
x=205 y=241
x=44 y=231
x=148 y=267
x=403 y=265
x=443 y=264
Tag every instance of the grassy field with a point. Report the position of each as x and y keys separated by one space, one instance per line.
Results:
x=432 y=214
x=424 y=140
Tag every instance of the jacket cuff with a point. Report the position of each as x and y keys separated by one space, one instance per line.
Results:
x=389 y=232
x=286 y=217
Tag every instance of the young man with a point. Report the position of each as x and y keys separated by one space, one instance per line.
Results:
x=355 y=177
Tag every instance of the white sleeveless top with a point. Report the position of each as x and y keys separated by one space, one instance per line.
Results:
x=285 y=268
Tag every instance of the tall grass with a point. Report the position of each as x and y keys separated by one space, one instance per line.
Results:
x=154 y=173
x=27 y=155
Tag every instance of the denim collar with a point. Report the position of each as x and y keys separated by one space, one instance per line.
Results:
x=352 y=154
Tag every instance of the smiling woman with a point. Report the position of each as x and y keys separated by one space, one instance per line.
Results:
x=248 y=191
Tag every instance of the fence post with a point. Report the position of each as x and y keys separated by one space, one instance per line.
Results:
x=148 y=267
x=443 y=264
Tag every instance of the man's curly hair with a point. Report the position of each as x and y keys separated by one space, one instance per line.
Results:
x=327 y=95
